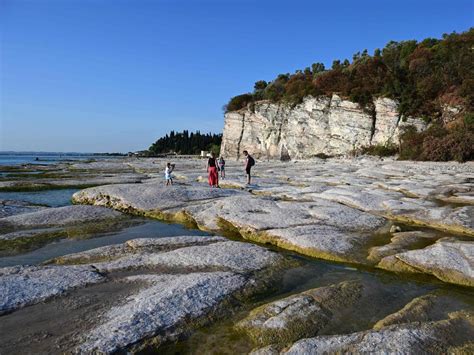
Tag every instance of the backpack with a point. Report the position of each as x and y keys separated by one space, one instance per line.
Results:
x=251 y=161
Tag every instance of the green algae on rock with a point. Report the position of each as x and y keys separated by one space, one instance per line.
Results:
x=426 y=308
x=298 y=316
x=411 y=338
x=28 y=231
x=448 y=259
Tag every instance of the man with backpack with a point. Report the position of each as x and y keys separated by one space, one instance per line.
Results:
x=249 y=162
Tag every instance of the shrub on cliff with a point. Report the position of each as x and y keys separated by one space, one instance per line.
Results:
x=381 y=150
x=439 y=143
x=422 y=76
x=238 y=102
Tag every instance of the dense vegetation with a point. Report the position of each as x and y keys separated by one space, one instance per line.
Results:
x=423 y=76
x=439 y=142
x=186 y=143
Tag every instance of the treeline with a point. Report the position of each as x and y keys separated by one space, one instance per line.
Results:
x=186 y=143
x=422 y=76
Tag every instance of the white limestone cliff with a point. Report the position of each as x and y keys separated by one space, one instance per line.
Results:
x=322 y=125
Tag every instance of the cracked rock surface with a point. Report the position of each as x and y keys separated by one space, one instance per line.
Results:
x=180 y=283
x=332 y=209
x=191 y=293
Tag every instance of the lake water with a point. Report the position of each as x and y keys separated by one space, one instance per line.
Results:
x=51 y=198
x=45 y=158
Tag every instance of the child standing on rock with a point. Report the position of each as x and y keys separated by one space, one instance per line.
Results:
x=168 y=176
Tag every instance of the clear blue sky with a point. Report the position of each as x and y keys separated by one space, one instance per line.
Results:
x=113 y=75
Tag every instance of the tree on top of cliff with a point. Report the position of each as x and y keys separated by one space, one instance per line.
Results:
x=422 y=76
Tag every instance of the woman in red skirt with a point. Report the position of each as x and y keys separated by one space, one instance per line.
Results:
x=212 y=171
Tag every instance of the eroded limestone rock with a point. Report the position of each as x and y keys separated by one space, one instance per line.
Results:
x=148 y=197
x=11 y=207
x=163 y=309
x=25 y=285
x=413 y=338
x=135 y=246
x=326 y=242
x=333 y=209
x=401 y=242
x=450 y=260
x=59 y=216
x=427 y=308
x=299 y=316
x=228 y=255
x=319 y=125
x=42 y=184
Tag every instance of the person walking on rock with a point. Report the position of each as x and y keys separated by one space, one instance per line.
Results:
x=213 y=176
x=222 y=166
x=249 y=162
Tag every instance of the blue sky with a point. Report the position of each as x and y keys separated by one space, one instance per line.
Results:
x=114 y=75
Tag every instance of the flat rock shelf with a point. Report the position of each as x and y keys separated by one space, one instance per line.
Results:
x=317 y=256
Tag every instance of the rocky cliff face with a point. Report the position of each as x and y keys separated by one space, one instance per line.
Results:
x=322 y=125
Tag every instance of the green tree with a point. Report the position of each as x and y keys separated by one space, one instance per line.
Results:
x=260 y=85
x=317 y=68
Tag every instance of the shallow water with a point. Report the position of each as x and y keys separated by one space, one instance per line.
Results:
x=137 y=228
x=51 y=198
x=389 y=291
x=45 y=158
x=147 y=229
